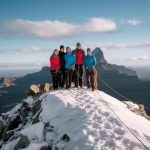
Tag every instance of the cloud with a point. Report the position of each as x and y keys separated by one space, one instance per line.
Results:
x=33 y=49
x=92 y=45
x=132 y=21
x=117 y=46
x=6 y=65
x=135 y=61
x=48 y=29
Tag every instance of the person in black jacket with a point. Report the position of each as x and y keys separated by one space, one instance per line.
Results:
x=62 y=66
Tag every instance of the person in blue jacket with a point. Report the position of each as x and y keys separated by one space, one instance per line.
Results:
x=89 y=64
x=70 y=61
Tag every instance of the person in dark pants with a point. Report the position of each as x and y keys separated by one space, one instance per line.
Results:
x=89 y=63
x=55 y=69
x=79 y=65
x=69 y=66
x=62 y=66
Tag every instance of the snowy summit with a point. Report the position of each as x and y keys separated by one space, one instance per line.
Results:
x=75 y=119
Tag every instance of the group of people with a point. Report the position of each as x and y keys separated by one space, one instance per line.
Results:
x=68 y=67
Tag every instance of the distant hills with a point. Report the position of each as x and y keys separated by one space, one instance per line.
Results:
x=122 y=79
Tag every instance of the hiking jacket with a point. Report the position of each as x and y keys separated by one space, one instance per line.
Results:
x=54 y=63
x=70 y=60
x=89 y=62
x=62 y=60
x=79 y=56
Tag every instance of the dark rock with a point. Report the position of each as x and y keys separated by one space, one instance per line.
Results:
x=65 y=137
x=8 y=135
x=24 y=112
x=2 y=126
x=25 y=104
x=14 y=123
x=36 y=107
x=47 y=147
x=4 y=116
x=22 y=143
x=36 y=118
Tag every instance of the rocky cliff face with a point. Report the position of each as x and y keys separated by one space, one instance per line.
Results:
x=105 y=66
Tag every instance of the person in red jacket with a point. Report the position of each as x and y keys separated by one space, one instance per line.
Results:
x=79 y=65
x=55 y=68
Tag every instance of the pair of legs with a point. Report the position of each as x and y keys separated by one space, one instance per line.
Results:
x=55 y=79
x=62 y=77
x=68 y=76
x=90 y=79
x=78 y=75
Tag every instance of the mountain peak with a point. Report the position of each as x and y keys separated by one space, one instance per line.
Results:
x=98 y=53
x=73 y=119
x=105 y=66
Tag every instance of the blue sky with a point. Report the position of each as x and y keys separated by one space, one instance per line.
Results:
x=31 y=29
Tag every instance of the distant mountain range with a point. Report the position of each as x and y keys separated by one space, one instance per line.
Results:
x=143 y=72
x=122 y=79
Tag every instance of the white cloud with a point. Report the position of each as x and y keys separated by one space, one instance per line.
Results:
x=92 y=45
x=23 y=64
x=49 y=29
x=99 y=25
x=135 y=61
x=134 y=21
x=117 y=46
x=33 y=49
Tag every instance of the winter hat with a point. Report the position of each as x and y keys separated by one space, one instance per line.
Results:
x=88 y=49
x=61 y=46
x=78 y=44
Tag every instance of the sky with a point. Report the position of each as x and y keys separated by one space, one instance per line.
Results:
x=31 y=29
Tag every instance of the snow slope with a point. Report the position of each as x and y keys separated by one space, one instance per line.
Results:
x=85 y=116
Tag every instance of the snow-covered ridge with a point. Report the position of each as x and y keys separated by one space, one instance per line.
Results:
x=75 y=119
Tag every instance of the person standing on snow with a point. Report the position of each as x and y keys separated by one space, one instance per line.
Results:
x=89 y=64
x=62 y=66
x=79 y=65
x=69 y=66
x=55 y=68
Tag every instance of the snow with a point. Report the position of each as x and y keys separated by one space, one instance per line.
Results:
x=14 y=110
x=35 y=146
x=30 y=101
x=85 y=116
x=34 y=132
x=10 y=145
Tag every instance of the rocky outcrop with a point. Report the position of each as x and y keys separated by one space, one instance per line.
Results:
x=1 y=128
x=47 y=147
x=7 y=82
x=137 y=109
x=36 y=89
x=22 y=143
